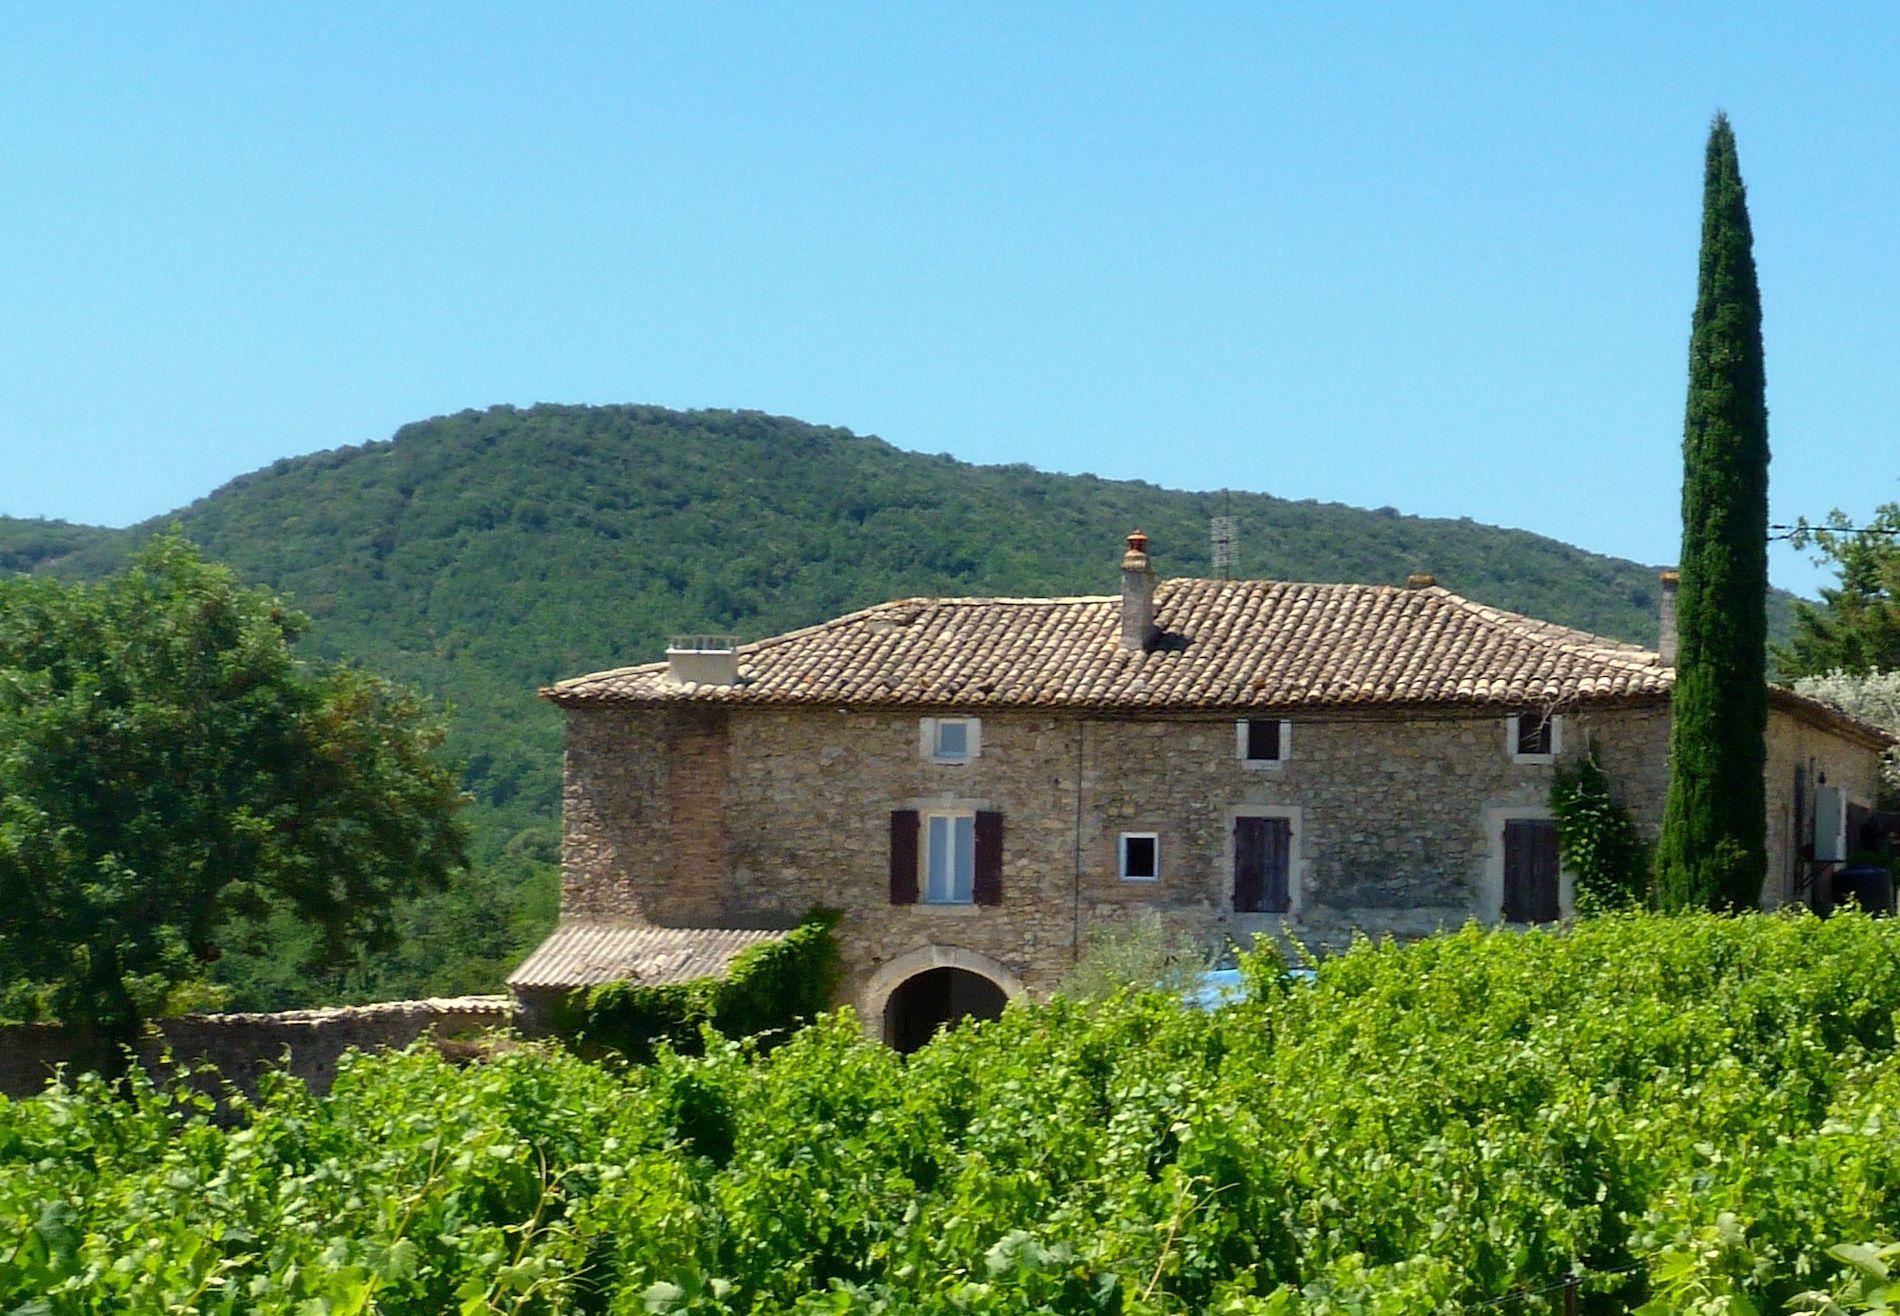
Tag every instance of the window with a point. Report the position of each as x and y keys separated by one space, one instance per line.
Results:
x=949 y=858
x=1534 y=737
x=946 y=856
x=1532 y=892
x=1263 y=865
x=1140 y=856
x=950 y=739
x=1264 y=742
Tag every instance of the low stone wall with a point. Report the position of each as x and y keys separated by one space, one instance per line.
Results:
x=306 y=1042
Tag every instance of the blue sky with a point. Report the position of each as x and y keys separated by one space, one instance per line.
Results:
x=1388 y=255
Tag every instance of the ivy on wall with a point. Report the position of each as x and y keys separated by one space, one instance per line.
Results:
x=1597 y=840
x=769 y=990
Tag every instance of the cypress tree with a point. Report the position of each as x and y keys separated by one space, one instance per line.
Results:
x=1712 y=853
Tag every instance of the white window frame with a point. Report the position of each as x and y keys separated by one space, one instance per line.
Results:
x=927 y=739
x=1121 y=856
x=962 y=863
x=1556 y=738
x=1263 y=765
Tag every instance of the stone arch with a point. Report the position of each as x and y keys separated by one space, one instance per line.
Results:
x=874 y=1000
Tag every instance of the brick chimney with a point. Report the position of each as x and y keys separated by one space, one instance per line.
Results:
x=1138 y=594
x=1666 y=645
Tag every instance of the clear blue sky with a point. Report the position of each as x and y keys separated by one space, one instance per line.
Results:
x=1437 y=257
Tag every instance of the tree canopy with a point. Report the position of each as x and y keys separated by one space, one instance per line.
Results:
x=1712 y=851
x=1857 y=627
x=167 y=765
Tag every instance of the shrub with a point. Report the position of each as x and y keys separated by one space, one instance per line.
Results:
x=1597 y=840
x=1142 y=953
x=768 y=990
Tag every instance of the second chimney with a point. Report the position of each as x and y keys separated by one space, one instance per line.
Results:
x=1138 y=594
x=1666 y=644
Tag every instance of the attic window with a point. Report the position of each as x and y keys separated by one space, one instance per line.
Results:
x=1263 y=742
x=950 y=739
x=1534 y=737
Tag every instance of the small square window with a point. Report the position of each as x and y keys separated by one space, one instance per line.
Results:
x=951 y=739
x=1264 y=741
x=1534 y=737
x=1141 y=856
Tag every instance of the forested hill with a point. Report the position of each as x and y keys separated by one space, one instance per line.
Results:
x=483 y=554
x=34 y=545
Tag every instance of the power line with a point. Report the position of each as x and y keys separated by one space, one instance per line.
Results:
x=1801 y=528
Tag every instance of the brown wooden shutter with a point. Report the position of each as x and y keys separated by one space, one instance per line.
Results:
x=903 y=856
x=1279 y=857
x=1545 y=905
x=1250 y=865
x=1516 y=868
x=1530 y=871
x=986 y=886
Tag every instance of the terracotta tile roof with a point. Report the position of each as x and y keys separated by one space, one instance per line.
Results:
x=581 y=954
x=1224 y=645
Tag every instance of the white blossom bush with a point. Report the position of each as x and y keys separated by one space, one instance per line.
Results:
x=1871 y=697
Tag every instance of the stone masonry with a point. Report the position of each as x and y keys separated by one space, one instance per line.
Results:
x=797 y=771
x=750 y=816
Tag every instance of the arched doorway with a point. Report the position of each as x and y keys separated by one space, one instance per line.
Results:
x=912 y=995
x=935 y=998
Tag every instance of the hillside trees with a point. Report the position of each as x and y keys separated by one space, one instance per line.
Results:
x=481 y=555
x=1712 y=851
x=167 y=764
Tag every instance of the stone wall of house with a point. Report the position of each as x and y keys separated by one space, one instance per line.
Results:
x=1821 y=755
x=616 y=813
x=306 y=1042
x=1397 y=821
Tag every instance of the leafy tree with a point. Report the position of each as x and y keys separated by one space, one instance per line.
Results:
x=1713 y=849
x=1857 y=628
x=166 y=764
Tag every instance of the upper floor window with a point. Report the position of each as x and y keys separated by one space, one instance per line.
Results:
x=949 y=858
x=1534 y=737
x=1264 y=742
x=951 y=739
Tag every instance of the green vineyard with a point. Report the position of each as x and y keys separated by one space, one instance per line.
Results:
x=1685 y=1114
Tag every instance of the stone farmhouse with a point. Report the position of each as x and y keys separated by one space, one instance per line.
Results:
x=978 y=783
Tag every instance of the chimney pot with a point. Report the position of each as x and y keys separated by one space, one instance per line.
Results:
x=1666 y=642
x=703 y=660
x=1420 y=580
x=1138 y=594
